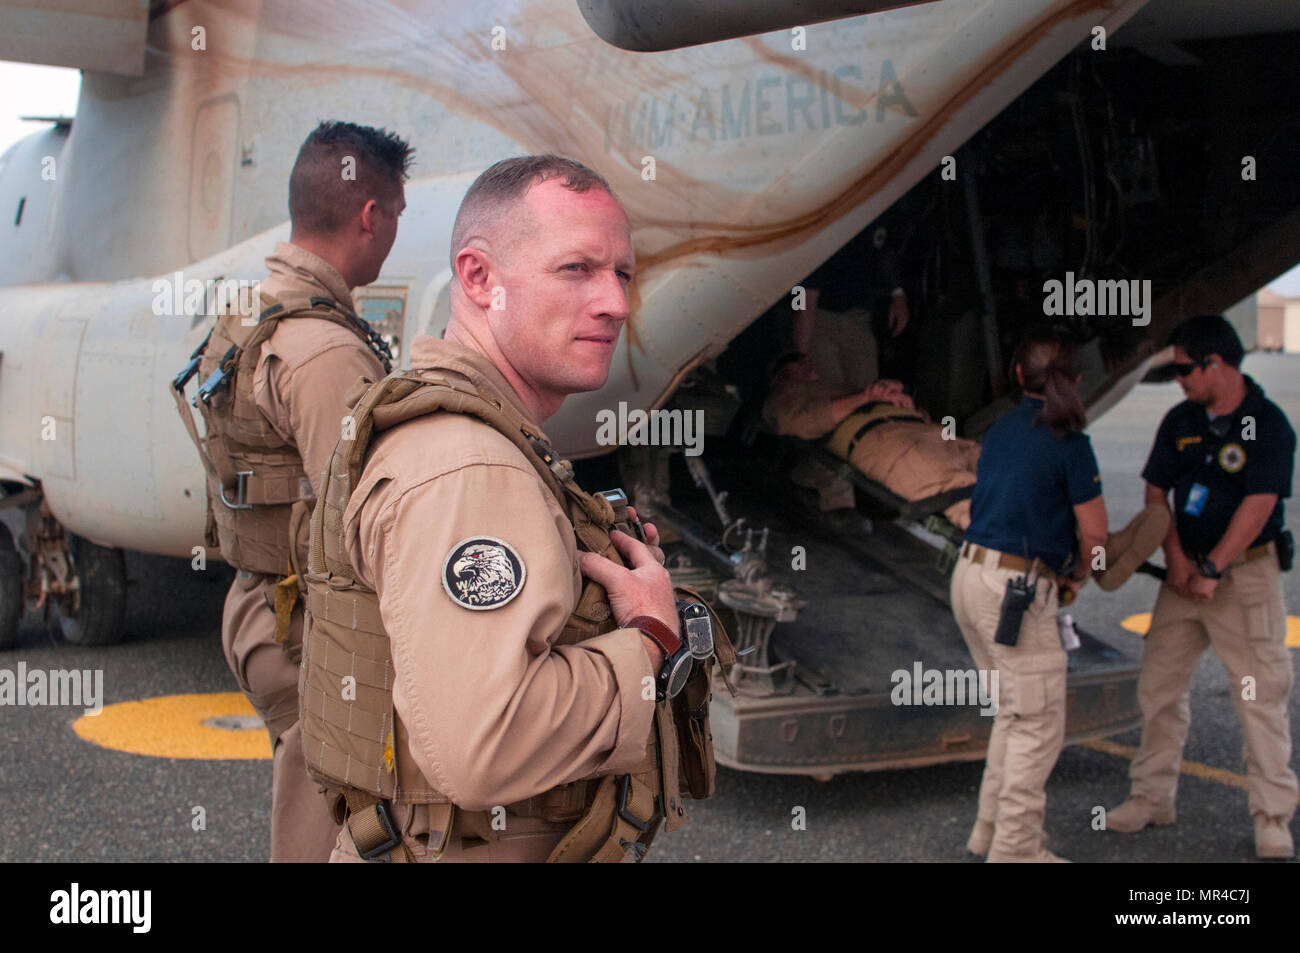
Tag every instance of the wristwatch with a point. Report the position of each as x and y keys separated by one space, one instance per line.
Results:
x=1209 y=570
x=678 y=661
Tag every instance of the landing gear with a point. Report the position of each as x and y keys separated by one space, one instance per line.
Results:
x=80 y=585
x=97 y=613
x=11 y=589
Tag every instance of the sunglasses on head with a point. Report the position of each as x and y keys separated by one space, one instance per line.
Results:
x=1183 y=369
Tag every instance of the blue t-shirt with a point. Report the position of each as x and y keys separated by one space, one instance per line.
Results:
x=1212 y=465
x=1027 y=486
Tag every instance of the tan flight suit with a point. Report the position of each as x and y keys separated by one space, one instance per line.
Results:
x=910 y=458
x=1245 y=624
x=305 y=369
x=492 y=710
x=1029 y=727
x=802 y=409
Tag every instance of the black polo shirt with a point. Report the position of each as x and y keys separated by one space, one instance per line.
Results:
x=859 y=275
x=1213 y=465
x=1028 y=483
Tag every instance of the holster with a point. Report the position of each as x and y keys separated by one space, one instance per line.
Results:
x=1285 y=544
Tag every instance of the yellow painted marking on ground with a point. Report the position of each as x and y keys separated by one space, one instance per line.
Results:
x=172 y=726
x=1138 y=623
x=1141 y=622
x=1194 y=768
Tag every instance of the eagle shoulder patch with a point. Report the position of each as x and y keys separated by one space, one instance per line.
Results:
x=483 y=572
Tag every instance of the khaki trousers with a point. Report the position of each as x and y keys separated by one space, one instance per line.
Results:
x=843 y=348
x=1245 y=624
x=301 y=827
x=1029 y=728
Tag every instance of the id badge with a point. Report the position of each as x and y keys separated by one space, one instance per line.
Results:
x=1196 y=498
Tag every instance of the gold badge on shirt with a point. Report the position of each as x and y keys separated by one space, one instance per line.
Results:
x=483 y=572
x=1232 y=458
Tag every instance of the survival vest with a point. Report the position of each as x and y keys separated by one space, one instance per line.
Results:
x=254 y=477
x=360 y=752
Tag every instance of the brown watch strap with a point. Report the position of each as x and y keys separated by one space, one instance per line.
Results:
x=663 y=636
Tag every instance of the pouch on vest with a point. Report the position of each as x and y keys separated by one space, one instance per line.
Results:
x=254 y=476
x=698 y=770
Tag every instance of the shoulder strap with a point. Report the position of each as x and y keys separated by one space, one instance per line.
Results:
x=404 y=396
x=407 y=395
x=249 y=337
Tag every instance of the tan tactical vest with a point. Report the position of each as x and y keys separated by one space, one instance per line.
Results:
x=360 y=752
x=255 y=479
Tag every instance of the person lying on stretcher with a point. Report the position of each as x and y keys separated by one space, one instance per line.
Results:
x=881 y=433
x=877 y=429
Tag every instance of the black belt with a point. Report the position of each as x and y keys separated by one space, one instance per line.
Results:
x=876 y=422
x=1250 y=555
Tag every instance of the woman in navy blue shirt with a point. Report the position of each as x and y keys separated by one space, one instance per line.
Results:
x=1037 y=511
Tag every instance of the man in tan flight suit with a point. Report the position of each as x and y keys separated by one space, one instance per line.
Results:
x=891 y=442
x=343 y=226
x=473 y=560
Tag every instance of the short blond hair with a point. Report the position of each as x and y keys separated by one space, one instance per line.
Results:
x=504 y=184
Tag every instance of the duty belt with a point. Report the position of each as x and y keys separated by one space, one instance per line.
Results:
x=1250 y=555
x=1007 y=560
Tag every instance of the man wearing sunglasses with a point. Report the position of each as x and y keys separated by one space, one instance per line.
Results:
x=1227 y=453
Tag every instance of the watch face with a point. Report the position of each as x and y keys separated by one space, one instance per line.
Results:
x=682 y=663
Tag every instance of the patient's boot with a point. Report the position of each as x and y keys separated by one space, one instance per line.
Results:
x=1133 y=545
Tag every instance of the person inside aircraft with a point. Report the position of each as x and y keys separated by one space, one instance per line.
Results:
x=877 y=428
x=855 y=308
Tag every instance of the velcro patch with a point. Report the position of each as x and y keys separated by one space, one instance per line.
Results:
x=483 y=572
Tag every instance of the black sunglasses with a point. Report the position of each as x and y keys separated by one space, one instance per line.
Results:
x=1182 y=370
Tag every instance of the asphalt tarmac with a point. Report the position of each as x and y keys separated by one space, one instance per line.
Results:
x=68 y=799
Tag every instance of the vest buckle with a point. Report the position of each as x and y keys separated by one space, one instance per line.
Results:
x=622 y=799
x=636 y=848
x=381 y=824
x=241 y=495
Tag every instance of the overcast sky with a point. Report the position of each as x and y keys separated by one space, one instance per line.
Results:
x=34 y=91
x=51 y=91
